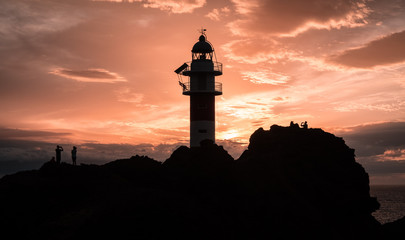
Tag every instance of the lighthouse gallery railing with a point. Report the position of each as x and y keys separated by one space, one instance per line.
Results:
x=217 y=88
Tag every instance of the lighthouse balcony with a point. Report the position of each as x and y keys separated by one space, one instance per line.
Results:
x=202 y=66
x=215 y=89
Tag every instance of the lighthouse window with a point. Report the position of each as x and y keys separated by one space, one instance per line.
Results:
x=202 y=56
x=202 y=130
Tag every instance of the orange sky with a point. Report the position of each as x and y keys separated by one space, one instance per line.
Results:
x=101 y=72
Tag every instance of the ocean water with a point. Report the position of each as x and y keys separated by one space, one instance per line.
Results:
x=392 y=201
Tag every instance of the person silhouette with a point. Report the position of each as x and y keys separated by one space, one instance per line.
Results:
x=294 y=125
x=74 y=151
x=58 y=150
x=304 y=125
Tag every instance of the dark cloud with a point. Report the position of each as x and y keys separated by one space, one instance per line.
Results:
x=373 y=166
x=12 y=166
x=9 y=133
x=386 y=50
x=377 y=145
x=26 y=19
x=286 y=17
x=375 y=139
x=174 y=6
x=17 y=153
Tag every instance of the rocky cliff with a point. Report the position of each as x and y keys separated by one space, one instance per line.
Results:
x=290 y=183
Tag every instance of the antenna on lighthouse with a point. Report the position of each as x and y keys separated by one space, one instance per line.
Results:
x=202 y=31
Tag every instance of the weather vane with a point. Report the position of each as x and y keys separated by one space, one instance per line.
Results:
x=202 y=30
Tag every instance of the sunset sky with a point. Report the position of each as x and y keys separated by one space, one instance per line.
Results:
x=99 y=75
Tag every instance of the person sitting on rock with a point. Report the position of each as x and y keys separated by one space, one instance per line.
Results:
x=304 y=125
x=294 y=125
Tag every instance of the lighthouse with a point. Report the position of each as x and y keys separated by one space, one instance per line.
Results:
x=202 y=89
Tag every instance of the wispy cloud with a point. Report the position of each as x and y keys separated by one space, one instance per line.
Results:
x=265 y=77
x=397 y=154
x=126 y=95
x=174 y=6
x=353 y=107
x=253 y=51
x=89 y=75
x=217 y=13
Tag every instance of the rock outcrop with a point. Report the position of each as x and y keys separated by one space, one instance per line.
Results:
x=290 y=183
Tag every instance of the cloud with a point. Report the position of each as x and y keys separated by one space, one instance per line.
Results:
x=271 y=51
x=126 y=95
x=216 y=14
x=253 y=51
x=89 y=75
x=18 y=152
x=385 y=107
x=394 y=155
x=19 y=19
x=389 y=49
x=174 y=6
x=380 y=149
x=8 y=133
x=375 y=139
x=265 y=77
x=289 y=18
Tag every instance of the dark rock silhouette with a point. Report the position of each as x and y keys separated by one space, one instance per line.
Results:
x=313 y=177
x=290 y=183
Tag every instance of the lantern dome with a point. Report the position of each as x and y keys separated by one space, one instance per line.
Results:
x=202 y=46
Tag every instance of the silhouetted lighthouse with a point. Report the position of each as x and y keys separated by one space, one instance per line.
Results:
x=202 y=89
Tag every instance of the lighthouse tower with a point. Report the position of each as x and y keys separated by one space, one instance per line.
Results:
x=202 y=89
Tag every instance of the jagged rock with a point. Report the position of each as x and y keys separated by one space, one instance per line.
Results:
x=290 y=183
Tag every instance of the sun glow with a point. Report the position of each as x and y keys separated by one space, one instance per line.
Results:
x=227 y=135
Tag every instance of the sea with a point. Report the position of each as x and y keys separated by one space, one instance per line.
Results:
x=392 y=202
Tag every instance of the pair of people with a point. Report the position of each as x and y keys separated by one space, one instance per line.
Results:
x=59 y=150
x=304 y=125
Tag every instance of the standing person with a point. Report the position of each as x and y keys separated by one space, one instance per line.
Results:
x=74 y=151
x=58 y=150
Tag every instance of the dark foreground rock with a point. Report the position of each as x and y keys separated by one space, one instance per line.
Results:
x=290 y=183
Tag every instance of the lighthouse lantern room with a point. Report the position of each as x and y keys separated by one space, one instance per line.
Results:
x=202 y=89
